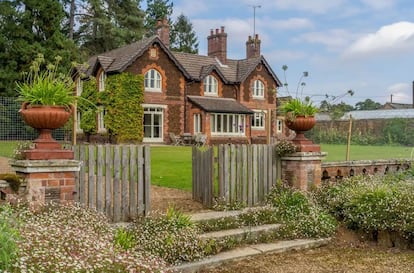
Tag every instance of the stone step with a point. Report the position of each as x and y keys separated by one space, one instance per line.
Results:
x=214 y=215
x=249 y=251
x=241 y=233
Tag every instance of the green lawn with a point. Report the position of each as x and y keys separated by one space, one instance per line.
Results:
x=337 y=152
x=171 y=165
x=7 y=148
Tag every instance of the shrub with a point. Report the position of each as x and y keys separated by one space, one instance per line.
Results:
x=70 y=238
x=8 y=237
x=373 y=203
x=172 y=237
x=300 y=215
x=284 y=147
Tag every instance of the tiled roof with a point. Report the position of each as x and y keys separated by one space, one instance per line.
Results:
x=234 y=71
x=194 y=67
x=119 y=59
x=220 y=105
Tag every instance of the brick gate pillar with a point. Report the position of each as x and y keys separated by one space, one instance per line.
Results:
x=302 y=170
x=48 y=180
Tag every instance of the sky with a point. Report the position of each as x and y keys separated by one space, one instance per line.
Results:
x=366 y=46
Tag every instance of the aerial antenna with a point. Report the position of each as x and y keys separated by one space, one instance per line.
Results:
x=254 y=19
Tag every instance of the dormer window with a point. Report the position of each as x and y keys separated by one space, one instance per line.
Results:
x=210 y=86
x=258 y=89
x=102 y=78
x=152 y=81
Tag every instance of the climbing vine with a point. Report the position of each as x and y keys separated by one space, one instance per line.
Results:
x=122 y=100
x=88 y=113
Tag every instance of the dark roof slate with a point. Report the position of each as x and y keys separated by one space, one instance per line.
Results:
x=219 y=105
x=124 y=56
x=194 y=67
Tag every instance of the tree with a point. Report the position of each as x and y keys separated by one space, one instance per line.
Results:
x=157 y=10
x=28 y=28
x=109 y=24
x=183 y=37
x=368 y=104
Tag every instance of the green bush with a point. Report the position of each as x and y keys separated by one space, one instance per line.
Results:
x=71 y=238
x=300 y=214
x=172 y=237
x=8 y=236
x=373 y=203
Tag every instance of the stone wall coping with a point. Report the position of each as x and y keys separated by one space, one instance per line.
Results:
x=41 y=166
x=4 y=184
x=305 y=156
x=356 y=163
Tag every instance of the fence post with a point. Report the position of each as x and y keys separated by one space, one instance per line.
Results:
x=302 y=170
x=48 y=180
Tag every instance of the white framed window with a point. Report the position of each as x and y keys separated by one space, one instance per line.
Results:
x=197 y=123
x=153 y=123
x=258 y=120
x=101 y=120
x=101 y=82
x=228 y=124
x=210 y=86
x=279 y=126
x=258 y=89
x=152 y=81
x=79 y=86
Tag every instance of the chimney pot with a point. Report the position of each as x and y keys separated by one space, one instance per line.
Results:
x=211 y=32
x=217 y=30
x=222 y=29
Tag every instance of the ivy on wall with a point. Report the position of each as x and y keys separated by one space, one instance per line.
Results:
x=88 y=114
x=122 y=100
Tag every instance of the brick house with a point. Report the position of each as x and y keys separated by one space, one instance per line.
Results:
x=228 y=101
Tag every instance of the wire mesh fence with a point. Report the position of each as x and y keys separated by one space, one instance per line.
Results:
x=12 y=126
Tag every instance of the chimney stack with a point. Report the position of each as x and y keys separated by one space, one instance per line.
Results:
x=217 y=45
x=163 y=31
x=253 y=47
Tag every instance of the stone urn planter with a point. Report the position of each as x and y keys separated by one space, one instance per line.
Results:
x=45 y=119
x=301 y=124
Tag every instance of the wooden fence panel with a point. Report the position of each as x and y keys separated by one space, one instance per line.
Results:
x=109 y=188
x=114 y=179
x=244 y=173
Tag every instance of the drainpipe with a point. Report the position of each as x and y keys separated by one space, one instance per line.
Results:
x=185 y=105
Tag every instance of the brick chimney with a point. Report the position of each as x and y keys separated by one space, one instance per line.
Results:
x=217 y=45
x=163 y=31
x=253 y=47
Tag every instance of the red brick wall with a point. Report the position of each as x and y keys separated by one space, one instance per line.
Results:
x=335 y=171
x=173 y=85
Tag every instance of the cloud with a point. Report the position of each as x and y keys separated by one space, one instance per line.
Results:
x=379 y=4
x=334 y=39
x=400 y=92
x=284 y=56
x=397 y=38
x=190 y=7
x=314 y=6
x=288 y=24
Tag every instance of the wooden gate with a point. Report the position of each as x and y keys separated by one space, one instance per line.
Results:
x=114 y=179
x=238 y=173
